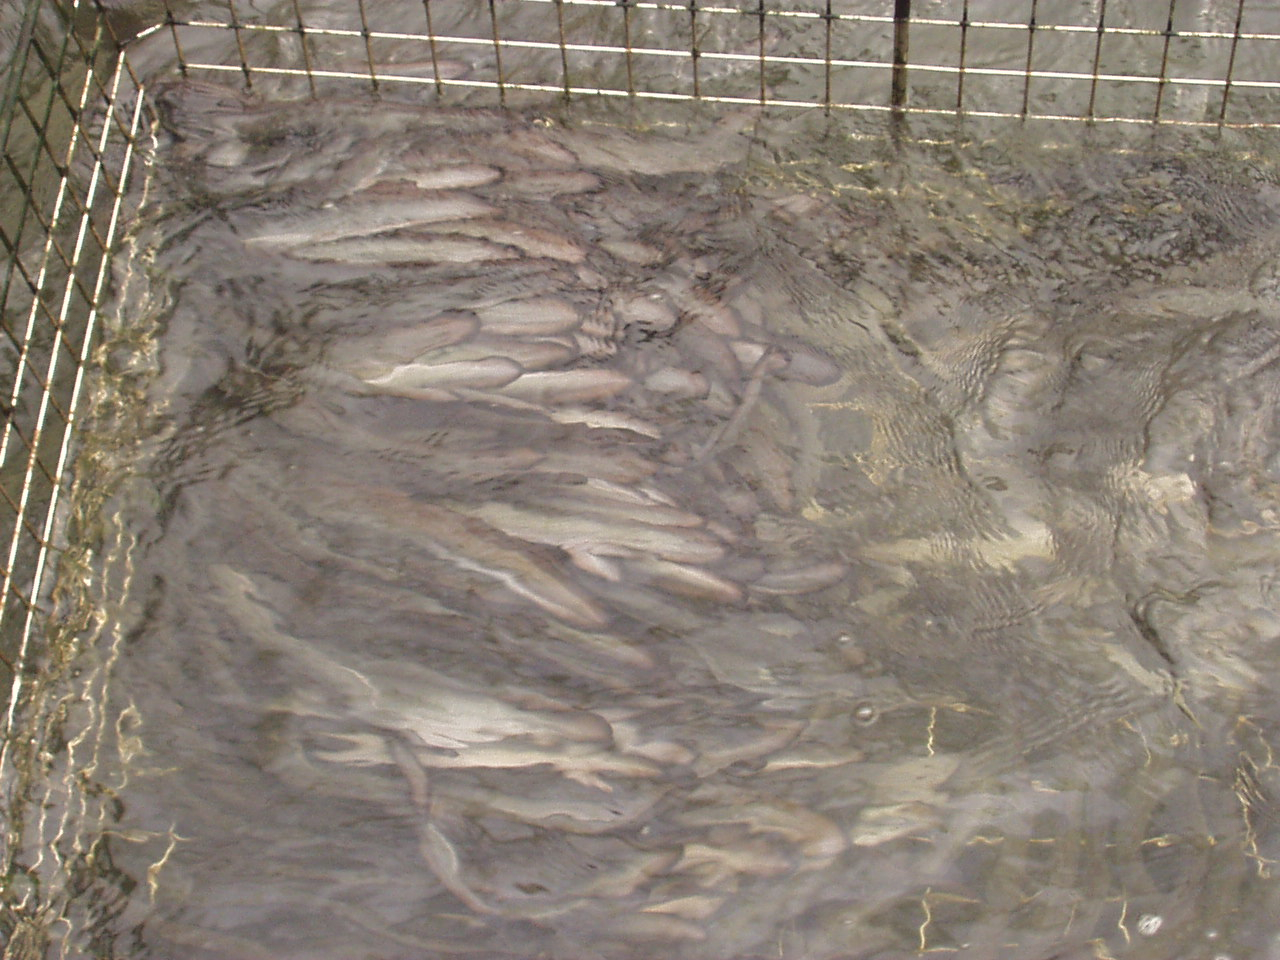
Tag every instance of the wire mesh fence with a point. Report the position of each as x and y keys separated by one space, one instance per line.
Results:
x=69 y=122
x=1169 y=62
x=67 y=161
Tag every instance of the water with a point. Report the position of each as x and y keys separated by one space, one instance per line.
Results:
x=713 y=539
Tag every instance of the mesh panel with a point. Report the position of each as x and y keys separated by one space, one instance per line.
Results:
x=67 y=154
x=71 y=116
x=1100 y=62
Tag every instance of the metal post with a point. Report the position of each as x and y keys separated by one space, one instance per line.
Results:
x=901 y=18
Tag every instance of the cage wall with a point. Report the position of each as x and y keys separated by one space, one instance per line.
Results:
x=1100 y=61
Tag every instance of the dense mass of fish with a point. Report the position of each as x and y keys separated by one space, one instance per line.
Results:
x=570 y=559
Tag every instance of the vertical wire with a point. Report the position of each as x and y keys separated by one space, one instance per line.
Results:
x=901 y=37
x=111 y=104
x=1231 y=63
x=431 y=43
x=564 y=50
x=964 y=45
x=306 y=53
x=497 y=53
x=172 y=23
x=103 y=18
x=1164 y=63
x=828 y=21
x=1026 y=73
x=626 y=42
x=368 y=45
x=89 y=56
x=1097 y=58
x=244 y=60
x=760 y=37
x=694 y=52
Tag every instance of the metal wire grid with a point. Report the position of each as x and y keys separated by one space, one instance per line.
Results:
x=1163 y=61
x=68 y=129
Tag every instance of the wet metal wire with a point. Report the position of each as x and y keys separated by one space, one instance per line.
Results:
x=67 y=130
x=1164 y=61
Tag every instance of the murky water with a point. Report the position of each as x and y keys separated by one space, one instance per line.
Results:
x=577 y=542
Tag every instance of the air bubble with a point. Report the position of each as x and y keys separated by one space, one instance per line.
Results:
x=1149 y=924
x=866 y=714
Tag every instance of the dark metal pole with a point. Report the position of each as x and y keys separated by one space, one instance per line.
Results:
x=901 y=17
x=1231 y=64
x=1164 y=63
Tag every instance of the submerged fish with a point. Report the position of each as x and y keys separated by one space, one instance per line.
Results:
x=402 y=248
x=428 y=707
x=475 y=546
x=349 y=220
x=582 y=465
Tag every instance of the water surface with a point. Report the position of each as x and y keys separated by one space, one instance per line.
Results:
x=703 y=540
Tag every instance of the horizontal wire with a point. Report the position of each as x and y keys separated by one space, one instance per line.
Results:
x=771 y=59
x=752 y=13
x=559 y=88
x=755 y=59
